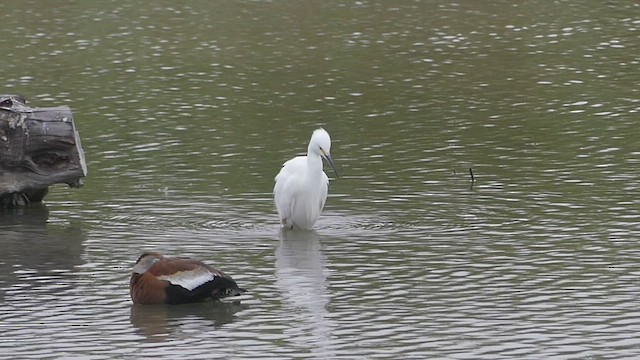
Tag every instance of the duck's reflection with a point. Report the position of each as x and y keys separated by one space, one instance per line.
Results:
x=301 y=277
x=159 y=322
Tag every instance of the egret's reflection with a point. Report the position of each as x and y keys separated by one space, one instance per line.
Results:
x=159 y=322
x=301 y=277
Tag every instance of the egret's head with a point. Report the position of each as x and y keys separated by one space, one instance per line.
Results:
x=321 y=144
x=146 y=261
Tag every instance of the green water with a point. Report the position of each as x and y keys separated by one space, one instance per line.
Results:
x=187 y=112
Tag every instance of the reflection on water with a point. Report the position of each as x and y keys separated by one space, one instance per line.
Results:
x=301 y=279
x=31 y=217
x=161 y=322
x=32 y=248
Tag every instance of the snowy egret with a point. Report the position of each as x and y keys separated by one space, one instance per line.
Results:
x=302 y=186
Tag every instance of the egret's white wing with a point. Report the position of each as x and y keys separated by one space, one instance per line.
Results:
x=287 y=185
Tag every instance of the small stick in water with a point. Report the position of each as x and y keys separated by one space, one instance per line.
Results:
x=471 y=173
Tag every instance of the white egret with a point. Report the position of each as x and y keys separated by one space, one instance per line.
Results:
x=302 y=186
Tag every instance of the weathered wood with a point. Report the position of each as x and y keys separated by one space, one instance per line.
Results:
x=39 y=147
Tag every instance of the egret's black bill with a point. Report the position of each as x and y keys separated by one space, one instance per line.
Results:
x=330 y=161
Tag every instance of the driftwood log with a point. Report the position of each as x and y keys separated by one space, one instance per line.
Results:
x=39 y=147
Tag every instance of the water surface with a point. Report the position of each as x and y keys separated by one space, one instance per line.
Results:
x=187 y=111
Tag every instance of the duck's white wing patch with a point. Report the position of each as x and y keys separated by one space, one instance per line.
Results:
x=190 y=279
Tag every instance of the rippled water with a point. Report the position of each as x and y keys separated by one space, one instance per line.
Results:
x=187 y=111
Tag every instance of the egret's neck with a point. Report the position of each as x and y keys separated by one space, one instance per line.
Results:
x=314 y=161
